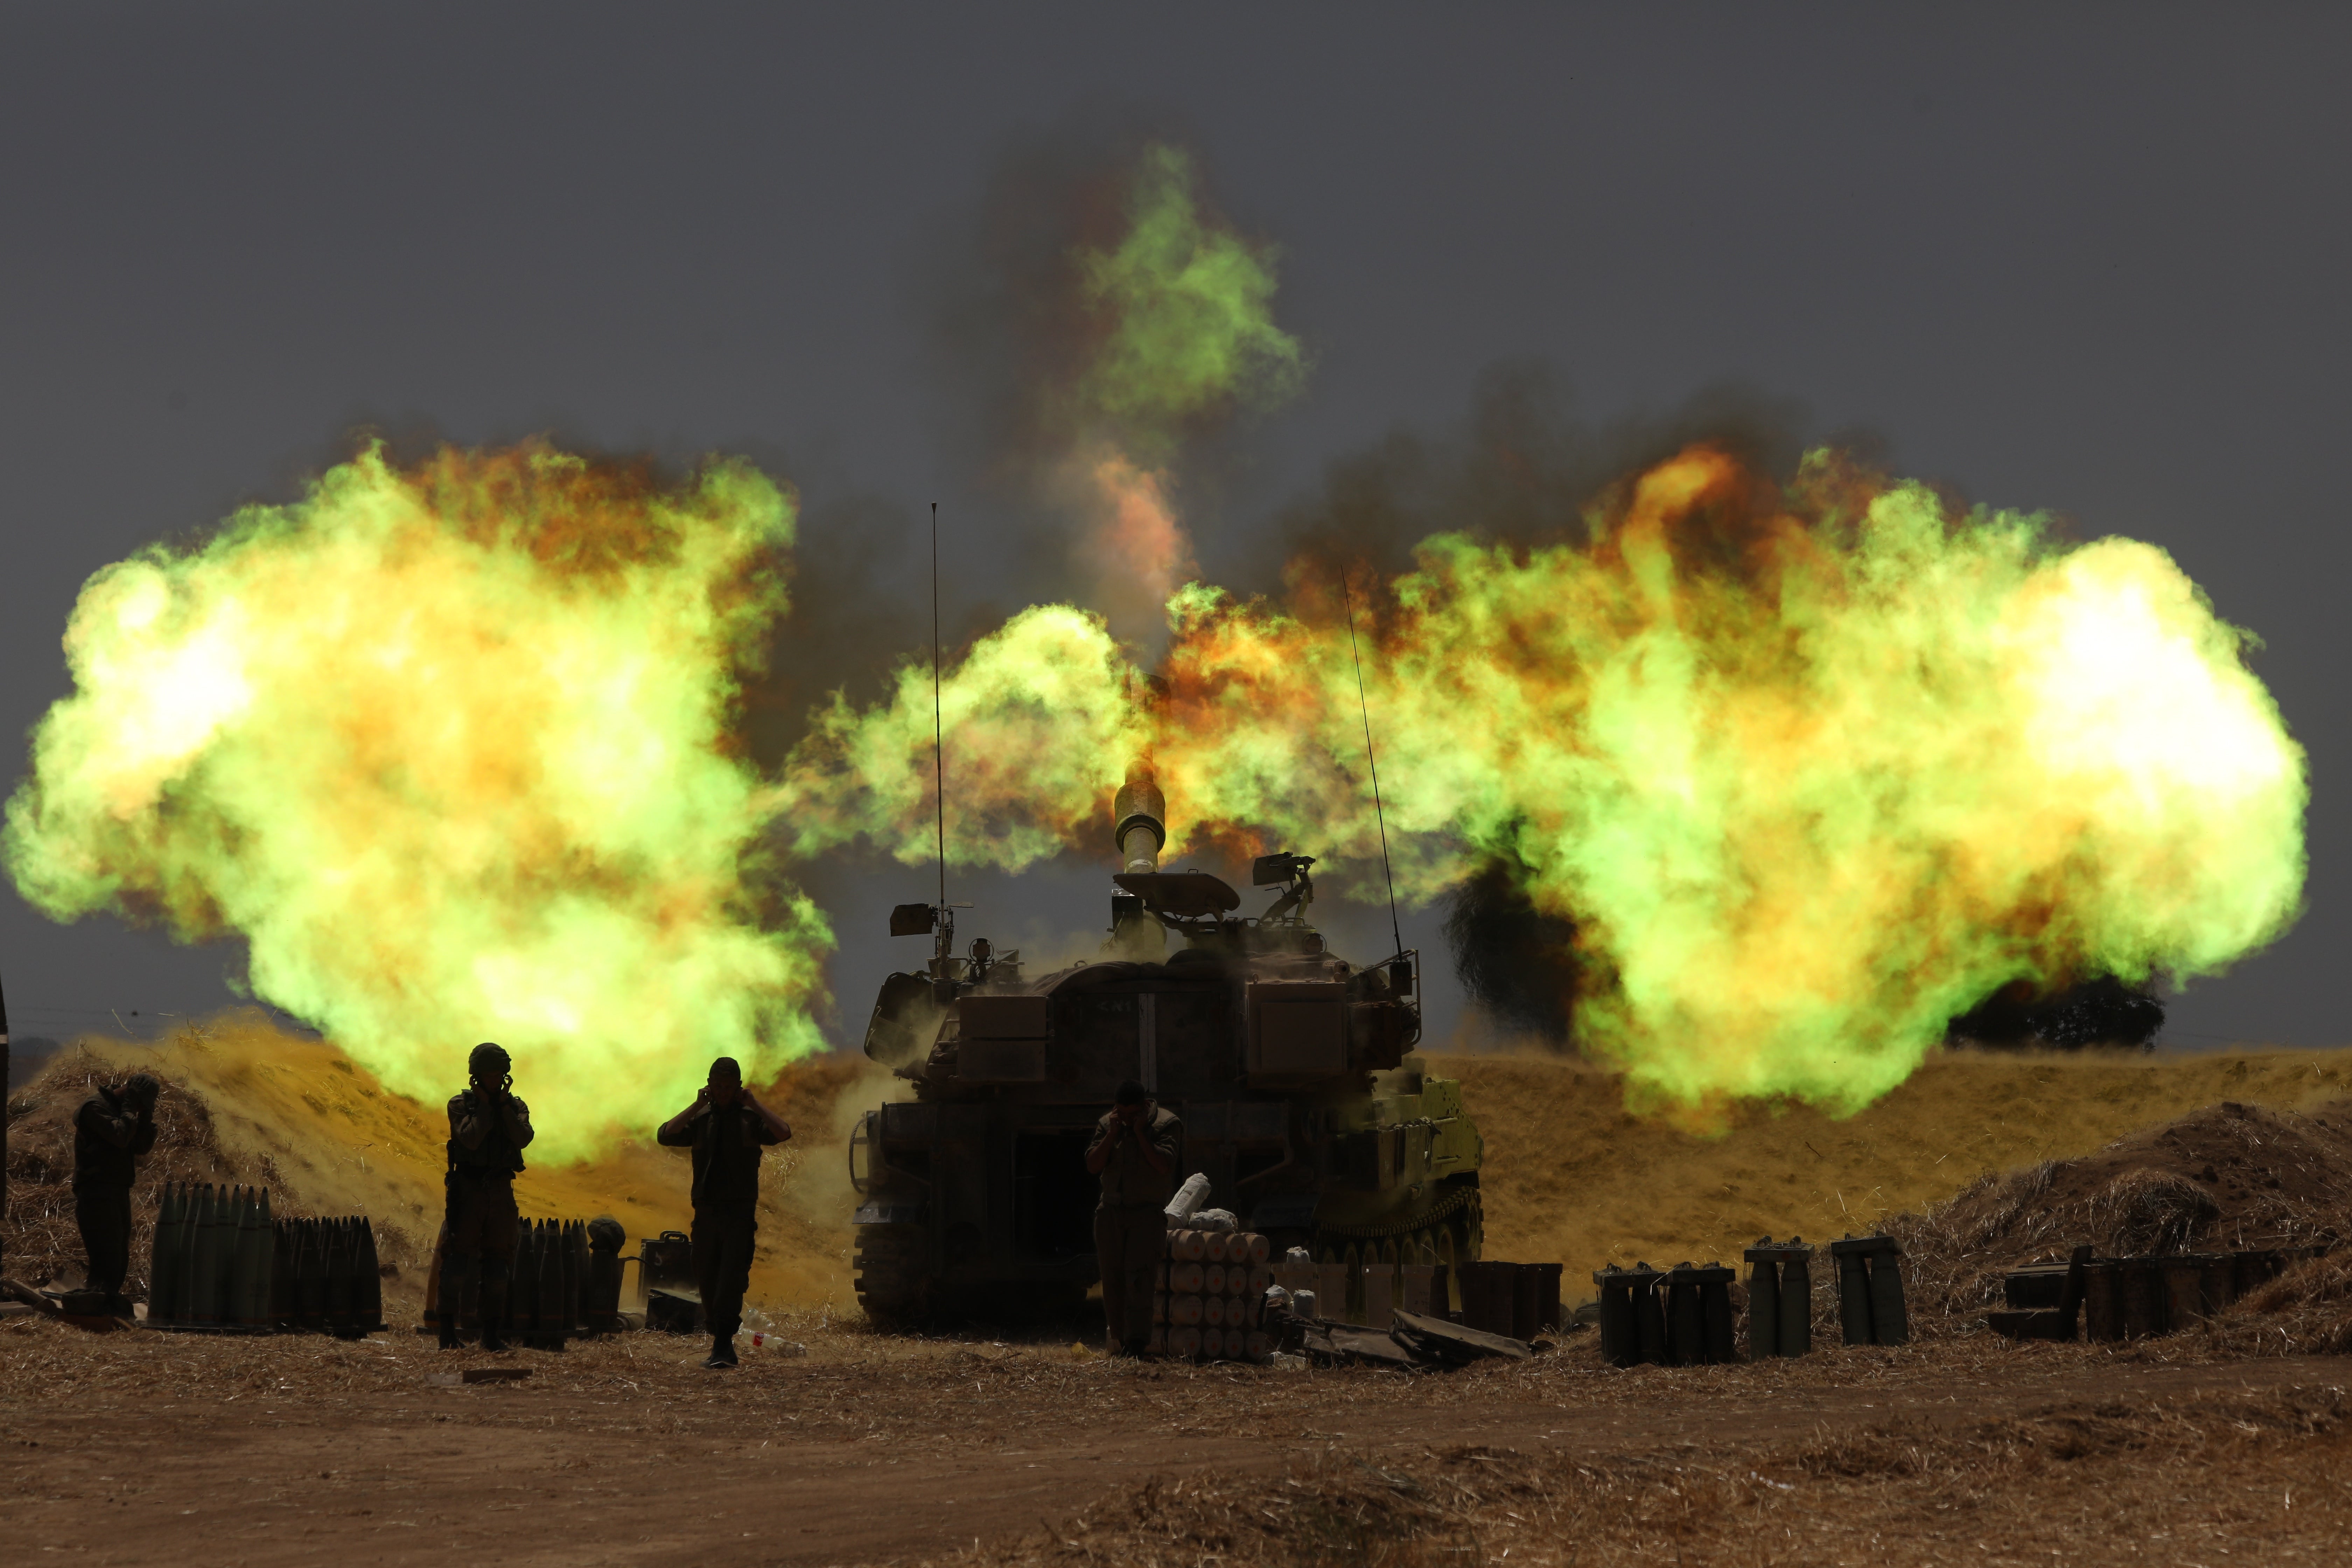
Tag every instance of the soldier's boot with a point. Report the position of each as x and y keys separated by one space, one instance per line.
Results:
x=722 y=1352
x=451 y=1302
x=494 y=1313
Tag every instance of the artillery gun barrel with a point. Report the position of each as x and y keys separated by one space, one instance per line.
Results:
x=1141 y=812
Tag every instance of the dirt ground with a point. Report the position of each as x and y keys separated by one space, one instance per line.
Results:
x=981 y=1448
x=138 y=1448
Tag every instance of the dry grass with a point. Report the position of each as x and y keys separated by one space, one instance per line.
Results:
x=2152 y=1482
x=2224 y=1177
x=1570 y=1175
x=2307 y=1311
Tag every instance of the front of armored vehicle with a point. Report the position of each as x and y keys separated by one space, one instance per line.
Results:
x=1288 y=1066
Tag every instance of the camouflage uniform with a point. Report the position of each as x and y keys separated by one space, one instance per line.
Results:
x=480 y=1232
x=112 y=1135
x=726 y=1145
x=1131 y=1226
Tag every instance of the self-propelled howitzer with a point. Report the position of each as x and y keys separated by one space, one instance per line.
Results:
x=1290 y=1067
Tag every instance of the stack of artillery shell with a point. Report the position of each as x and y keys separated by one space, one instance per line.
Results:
x=1492 y=1298
x=1632 y=1316
x=211 y=1266
x=1870 y=1290
x=543 y=1298
x=1779 y=1299
x=1519 y=1300
x=338 y=1270
x=169 y=1258
x=221 y=1265
x=1678 y=1318
x=329 y=1277
x=1208 y=1295
x=524 y=1283
x=1698 y=1314
x=563 y=1281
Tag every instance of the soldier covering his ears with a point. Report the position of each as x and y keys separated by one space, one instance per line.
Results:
x=1135 y=1149
x=725 y=1127
x=489 y=1130
x=114 y=1131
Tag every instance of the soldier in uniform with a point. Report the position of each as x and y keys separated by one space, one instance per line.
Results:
x=726 y=1128
x=489 y=1130
x=1135 y=1149
x=114 y=1131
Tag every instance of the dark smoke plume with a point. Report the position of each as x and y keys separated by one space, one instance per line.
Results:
x=1515 y=962
x=1523 y=467
x=2101 y=1012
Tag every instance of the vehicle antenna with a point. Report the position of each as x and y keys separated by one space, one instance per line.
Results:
x=939 y=742
x=1380 y=815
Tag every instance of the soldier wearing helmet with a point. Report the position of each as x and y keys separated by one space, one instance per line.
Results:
x=113 y=1132
x=489 y=1130
x=725 y=1127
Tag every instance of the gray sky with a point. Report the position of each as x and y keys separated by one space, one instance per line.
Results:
x=2085 y=258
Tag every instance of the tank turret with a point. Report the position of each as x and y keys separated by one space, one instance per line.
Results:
x=1291 y=1069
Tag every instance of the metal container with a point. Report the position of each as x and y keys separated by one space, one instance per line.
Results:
x=1796 y=1313
x=1686 y=1318
x=2220 y=1282
x=1335 y=1289
x=1890 y=1320
x=2254 y=1269
x=1526 y=1300
x=1714 y=1309
x=2145 y=1306
x=1763 y=1300
x=1621 y=1335
x=2103 y=1300
x=1853 y=1295
x=1489 y=1292
x=2041 y=1285
x=1547 y=1275
x=2184 y=1290
x=673 y=1312
x=1650 y=1313
x=667 y=1262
